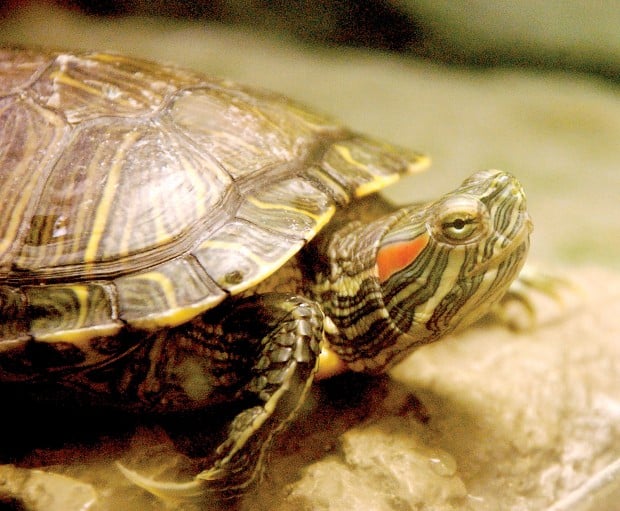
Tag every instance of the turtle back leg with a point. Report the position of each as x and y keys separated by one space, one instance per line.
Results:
x=284 y=334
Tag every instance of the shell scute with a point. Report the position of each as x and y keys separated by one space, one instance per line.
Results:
x=363 y=166
x=293 y=207
x=245 y=134
x=90 y=86
x=120 y=205
x=241 y=254
x=168 y=294
x=32 y=138
x=143 y=194
x=70 y=313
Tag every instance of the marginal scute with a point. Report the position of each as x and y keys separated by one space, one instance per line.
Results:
x=71 y=312
x=364 y=166
x=293 y=207
x=166 y=295
x=337 y=190
x=14 y=324
x=241 y=254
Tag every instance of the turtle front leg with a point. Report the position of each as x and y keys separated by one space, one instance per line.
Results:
x=519 y=308
x=290 y=331
x=281 y=377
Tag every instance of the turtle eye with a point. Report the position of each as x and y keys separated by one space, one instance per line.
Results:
x=459 y=228
x=460 y=219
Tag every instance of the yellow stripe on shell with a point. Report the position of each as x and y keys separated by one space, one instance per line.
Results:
x=83 y=214
x=337 y=187
x=233 y=140
x=380 y=182
x=320 y=220
x=377 y=183
x=174 y=314
x=420 y=163
x=107 y=197
x=65 y=79
x=261 y=115
x=27 y=188
x=198 y=183
x=81 y=294
x=80 y=330
x=162 y=236
x=346 y=155
x=15 y=218
x=163 y=283
x=80 y=335
x=231 y=245
x=113 y=58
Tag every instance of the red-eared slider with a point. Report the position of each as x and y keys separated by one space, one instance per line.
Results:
x=171 y=242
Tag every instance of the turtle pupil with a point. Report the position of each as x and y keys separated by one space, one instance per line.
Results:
x=459 y=229
x=458 y=224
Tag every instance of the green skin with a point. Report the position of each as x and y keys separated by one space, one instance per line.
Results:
x=377 y=290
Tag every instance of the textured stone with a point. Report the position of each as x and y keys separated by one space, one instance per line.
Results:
x=511 y=420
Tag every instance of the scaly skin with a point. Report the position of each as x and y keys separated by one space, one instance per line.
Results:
x=385 y=287
x=413 y=276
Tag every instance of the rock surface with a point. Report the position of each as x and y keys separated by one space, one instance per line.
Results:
x=511 y=420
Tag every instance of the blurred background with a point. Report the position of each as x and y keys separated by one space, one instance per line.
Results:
x=555 y=34
x=531 y=87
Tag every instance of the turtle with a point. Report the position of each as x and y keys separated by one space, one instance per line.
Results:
x=171 y=242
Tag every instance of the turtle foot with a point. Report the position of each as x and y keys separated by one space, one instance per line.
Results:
x=521 y=308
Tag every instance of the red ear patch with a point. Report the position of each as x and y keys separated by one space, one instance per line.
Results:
x=395 y=256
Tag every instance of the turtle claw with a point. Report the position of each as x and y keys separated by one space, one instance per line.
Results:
x=526 y=293
x=166 y=490
x=212 y=474
x=549 y=284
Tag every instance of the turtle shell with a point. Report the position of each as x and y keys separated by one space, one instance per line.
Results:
x=135 y=194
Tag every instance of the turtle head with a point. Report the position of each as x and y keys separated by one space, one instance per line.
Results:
x=436 y=267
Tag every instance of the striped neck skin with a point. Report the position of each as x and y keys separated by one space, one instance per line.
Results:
x=409 y=278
